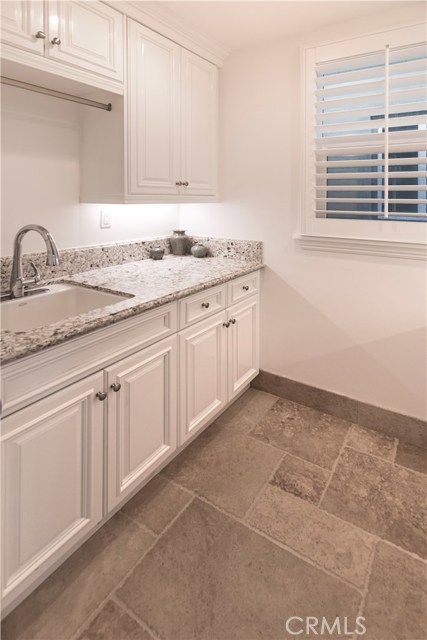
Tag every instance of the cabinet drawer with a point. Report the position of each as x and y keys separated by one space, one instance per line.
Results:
x=243 y=287
x=201 y=305
x=35 y=377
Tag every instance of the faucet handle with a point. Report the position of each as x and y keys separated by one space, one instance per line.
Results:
x=35 y=274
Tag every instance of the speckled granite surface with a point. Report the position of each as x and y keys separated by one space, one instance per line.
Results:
x=96 y=257
x=152 y=283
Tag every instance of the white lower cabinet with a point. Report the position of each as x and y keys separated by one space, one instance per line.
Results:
x=73 y=456
x=218 y=358
x=52 y=477
x=142 y=416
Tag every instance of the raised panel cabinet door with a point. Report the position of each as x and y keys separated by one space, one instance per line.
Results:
x=203 y=373
x=142 y=416
x=243 y=345
x=153 y=116
x=52 y=473
x=21 y=21
x=199 y=117
x=90 y=34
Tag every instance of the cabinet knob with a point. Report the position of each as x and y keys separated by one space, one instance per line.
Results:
x=55 y=40
x=226 y=324
x=245 y=288
x=205 y=305
x=185 y=184
x=41 y=35
x=179 y=183
x=101 y=395
x=233 y=321
x=116 y=386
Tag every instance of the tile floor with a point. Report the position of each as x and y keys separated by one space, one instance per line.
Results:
x=276 y=510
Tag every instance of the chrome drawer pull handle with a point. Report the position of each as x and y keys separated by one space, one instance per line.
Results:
x=179 y=183
x=233 y=320
x=55 y=40
x=205 y=305
x=226 y=324
x=245 y=288
x=41 y=35
x=116 y=386
x=185 y=184
x=101 y=395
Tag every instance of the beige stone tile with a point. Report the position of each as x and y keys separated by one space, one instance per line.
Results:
x=247 y=411
x=157 y=504
x=113 y=623
x=303 y=479
x=56 y=609
x=329 y=542
x=396 y=604
x=370 y=441
x=306 y=433
x=414 y=458
x=381 y=498
x=210 y=577
x=225 y=468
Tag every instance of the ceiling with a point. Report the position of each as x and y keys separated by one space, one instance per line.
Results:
x=242 y=23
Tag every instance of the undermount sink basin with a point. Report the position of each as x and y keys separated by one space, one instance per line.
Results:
x=57 y=302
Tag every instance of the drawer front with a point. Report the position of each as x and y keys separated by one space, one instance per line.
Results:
x=243 y=287
x=201 y=305
x=35 y=377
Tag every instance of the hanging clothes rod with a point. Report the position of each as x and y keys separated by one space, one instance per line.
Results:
x=55 y=94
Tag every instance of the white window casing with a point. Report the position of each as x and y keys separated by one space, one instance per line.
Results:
x=364 y=156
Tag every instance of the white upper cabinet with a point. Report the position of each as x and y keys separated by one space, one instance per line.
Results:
x=22 y=24
x=172 y=118
x=79 y=40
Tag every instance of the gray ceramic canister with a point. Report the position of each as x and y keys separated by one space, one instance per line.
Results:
x=199 y=250
x=157 y=253
x=179 y=243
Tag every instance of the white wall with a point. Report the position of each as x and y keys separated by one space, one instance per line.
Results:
x=350 y=324
x=41 y=181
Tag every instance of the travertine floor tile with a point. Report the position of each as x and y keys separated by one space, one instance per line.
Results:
x=303 y=479
x=396 y=604
x=380 y=497
x=295 y=429
x=113 y=623
x=227 y=469
x=210 y=577
x=66 y=599
x=370 y=441
x=247 y=411
x=157 y=504
x=414 y=458
x=329 y=542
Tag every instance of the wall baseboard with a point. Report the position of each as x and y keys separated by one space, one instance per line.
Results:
x=396 y=425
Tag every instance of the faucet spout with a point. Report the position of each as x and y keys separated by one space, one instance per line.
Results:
x=17 y=280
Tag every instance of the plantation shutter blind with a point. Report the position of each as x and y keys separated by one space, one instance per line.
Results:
x=370 y=135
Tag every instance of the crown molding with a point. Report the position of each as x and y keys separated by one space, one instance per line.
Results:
x=158 y=18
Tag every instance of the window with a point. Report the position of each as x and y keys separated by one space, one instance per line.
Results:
x=366 y=138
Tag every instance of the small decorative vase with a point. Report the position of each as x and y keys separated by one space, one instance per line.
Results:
x=179 y=243
x=157 y=253
x=199 y=250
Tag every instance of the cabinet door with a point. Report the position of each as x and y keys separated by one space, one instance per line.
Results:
x=20 y=21
x=243 y=346
x=153 y=113
x=142 y=416
x=203 y=373
x=199 y=125
x=51 y=481
x=91 y=36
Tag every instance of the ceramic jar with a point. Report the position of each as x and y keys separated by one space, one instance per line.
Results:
x=157 y=253
x=198 y=250
x=179 y=243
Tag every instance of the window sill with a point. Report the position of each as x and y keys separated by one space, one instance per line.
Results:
x=387 y=248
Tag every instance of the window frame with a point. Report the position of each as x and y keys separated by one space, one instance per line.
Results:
x=379 y=237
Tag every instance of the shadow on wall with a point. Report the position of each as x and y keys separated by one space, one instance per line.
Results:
x=304 y=344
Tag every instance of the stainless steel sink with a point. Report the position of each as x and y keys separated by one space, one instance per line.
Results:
x=56 y=302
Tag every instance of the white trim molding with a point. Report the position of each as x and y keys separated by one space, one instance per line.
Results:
x=385 y=248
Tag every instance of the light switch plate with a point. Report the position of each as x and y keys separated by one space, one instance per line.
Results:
x=105 y=220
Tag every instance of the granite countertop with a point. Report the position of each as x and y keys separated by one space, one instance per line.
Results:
x=151 y=283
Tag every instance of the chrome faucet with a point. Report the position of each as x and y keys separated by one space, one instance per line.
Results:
x=18 y=283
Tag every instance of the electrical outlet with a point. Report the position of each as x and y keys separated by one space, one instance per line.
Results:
x=105 y=221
